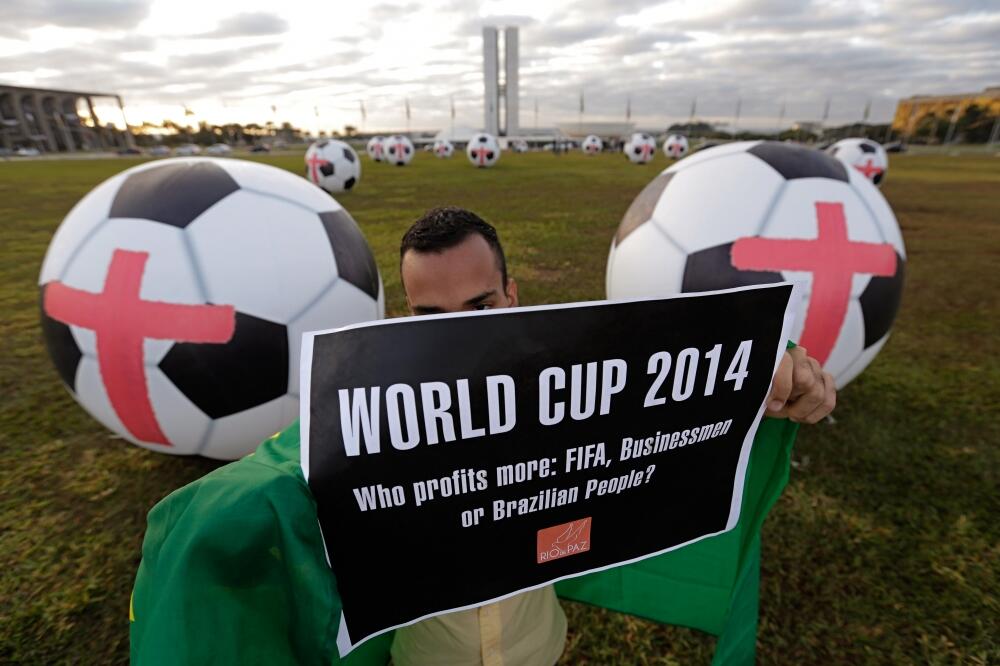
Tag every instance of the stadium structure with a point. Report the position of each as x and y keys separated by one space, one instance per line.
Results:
x=58 y=121
x=910 y=111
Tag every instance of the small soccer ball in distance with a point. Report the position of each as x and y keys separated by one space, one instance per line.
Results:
x=750 y=213
x=865 y=155
x=592 y=145
x=483 y=150
x=519 y=146
x=675 y=146
x=175 y=294
x=397 y=149
x=333 y=165
x=444 y=148
x=640 y=148
x=374 y=148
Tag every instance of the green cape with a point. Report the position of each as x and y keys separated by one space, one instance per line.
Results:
x=233 y=569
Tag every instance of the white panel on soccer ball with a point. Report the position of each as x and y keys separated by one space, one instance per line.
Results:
x=696 y=217
x=860 y=363
x=93 y=396
x=483 y=150
x=592 y=145
x=675 y=146
x=397 y=149
x=645 y=265
x=443 y=148
x=863 y=156
x=375 y=148
x=796 y=210
x=88 y=214
x=180 y=420
x=850 y=341
x=235 y=245
x=235 y=436
x=879 y=207
x=711 y=153
x=277 y=183
x=340 y=305
x=168 y=275
x=340 y=162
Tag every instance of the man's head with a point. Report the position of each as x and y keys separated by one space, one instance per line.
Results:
x=451 y=260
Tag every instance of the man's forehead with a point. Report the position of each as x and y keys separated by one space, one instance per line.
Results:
x=472 y=255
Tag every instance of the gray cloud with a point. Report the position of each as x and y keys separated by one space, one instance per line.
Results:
x=765 y=52
x=19 y=15
x=221 y=58
x=249 y=24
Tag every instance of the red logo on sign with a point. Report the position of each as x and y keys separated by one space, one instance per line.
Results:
x=122 y=320
x=562 y=540
x=832 y=258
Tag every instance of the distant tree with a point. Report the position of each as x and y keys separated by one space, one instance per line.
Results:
x=350 y=130
x=974 y=125
x=694 y=129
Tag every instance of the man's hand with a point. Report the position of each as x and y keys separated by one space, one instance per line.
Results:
x=801 y=391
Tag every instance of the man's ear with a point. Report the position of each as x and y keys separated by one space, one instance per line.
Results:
x=511 y=292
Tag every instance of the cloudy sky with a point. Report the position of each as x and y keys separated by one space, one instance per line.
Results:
x=234 y=60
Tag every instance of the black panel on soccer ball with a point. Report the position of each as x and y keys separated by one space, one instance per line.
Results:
x=712 y=268
x=174 y=194
x=349 y=183
x=63 y=350
x=249 y=370
x=348 y=154
x=880 y=303
x=326 y=168
x=355 y=262
x=799 y=162
x=866 y=147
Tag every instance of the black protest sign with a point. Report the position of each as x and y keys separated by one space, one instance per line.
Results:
x=459 y=459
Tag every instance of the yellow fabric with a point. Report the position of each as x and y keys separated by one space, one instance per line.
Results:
x=528 y=629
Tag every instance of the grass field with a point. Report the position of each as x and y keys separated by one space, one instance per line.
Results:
x=885 y=547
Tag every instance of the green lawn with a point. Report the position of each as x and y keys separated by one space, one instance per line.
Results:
x=883 y=549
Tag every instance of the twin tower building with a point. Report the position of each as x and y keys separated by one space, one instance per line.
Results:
x=500 y=105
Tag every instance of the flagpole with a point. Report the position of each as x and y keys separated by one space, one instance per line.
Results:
x=781 y=117
x=736 y=120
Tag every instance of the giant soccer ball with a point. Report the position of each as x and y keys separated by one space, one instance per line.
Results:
x=397 y=149
x=640 y=148
x=375 y=148
x=592 y=145
x=333 y=165
x=175 y=294
x=483 y=150
x=675 y=146
x=760 y=212
x=443 y=148
x=865 y=155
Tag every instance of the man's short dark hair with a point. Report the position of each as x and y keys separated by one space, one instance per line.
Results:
x=447 y=226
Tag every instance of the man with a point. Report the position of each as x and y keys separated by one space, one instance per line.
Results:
x=233 y=569
x=452 y=261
